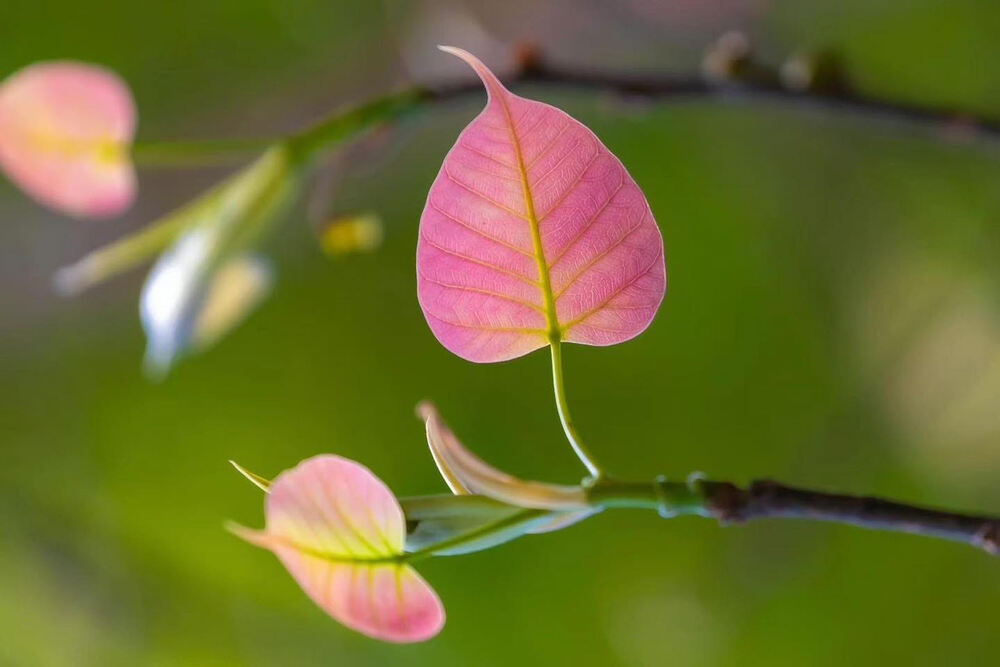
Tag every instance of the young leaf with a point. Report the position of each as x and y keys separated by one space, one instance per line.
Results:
x=466 y=473
x=534 y=232
x=65 y=137
x=340 y=532
x=432 y=520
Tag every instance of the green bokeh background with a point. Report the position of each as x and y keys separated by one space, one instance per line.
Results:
x=833 y=319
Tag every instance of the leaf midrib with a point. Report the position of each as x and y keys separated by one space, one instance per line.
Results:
x=385 y=559
x=553 y=332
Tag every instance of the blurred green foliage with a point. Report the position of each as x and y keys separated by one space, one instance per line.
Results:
x=779 y=225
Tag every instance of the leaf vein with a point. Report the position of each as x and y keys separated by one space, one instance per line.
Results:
x=475 y=260
x=547 y=147
x=579 y=235
x=479 y=232
x=571 y=188
x=482 y=196
x=482 y=153
x=485 y=292
x=617 y=292
x=605 y=253
x=481 y=327
x=559 y=162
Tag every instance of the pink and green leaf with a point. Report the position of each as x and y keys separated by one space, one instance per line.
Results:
x=534 y=232
x=340 y=533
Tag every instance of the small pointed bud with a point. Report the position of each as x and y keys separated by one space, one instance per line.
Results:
x=66 y=132
x=261 y=483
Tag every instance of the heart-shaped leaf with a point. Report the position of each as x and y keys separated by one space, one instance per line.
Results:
x=534 y=232
x=340 y=532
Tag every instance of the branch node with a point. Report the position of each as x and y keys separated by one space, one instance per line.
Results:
x=988 y=538
x=726 y=502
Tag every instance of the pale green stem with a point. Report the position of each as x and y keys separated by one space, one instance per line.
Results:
x=669 y=499
x=342 y=125
x=119 y=256
x=197 y=153
x=562 y=406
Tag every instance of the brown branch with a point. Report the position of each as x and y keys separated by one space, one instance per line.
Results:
x=744 y=81
x=769 y=499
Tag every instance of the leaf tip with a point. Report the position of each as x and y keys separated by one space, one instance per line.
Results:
x=261 y=483
x=482 y=71
x=72 y=279
x=425 y=410
x=255 y=537
x=463 y=54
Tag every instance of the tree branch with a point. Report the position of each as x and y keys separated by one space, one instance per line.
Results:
x=769 y=499
x=729 y=75
x=763 y=499
x=743 y=81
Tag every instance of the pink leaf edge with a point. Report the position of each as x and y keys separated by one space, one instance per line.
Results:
x=533 y=231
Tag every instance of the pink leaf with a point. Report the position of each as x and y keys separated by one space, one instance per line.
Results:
x=340 y=532
x=533 y=232
x=65 y=137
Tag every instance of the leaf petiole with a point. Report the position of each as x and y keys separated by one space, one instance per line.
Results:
x=562 y=406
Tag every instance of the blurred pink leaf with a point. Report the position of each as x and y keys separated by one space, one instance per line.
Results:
x=340 y=532
x=533 y=231
x=65 y=137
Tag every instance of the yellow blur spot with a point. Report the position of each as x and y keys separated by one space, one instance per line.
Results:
x=349 y=234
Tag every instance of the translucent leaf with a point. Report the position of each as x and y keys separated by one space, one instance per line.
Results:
x=464 y=472
x=340 y=533
x=65 y=137
x=533 y=231
x=435 y=519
